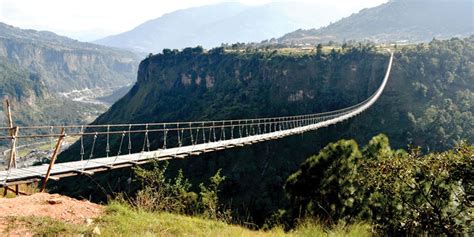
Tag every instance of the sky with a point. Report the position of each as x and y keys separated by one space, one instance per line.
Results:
x=92 y=19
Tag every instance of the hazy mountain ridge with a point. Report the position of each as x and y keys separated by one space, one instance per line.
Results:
x=66 y=64
x=36 y=66
x=209 y=26
x=397 y=20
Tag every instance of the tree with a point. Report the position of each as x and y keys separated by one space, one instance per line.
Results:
x=319 y=50
x=217 y=51
x=162 y=194
x=167 y=51
x=325 y=184
x=433 y=193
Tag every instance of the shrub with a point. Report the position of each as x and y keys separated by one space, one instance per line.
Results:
x=162 y=194
x=175 y=195
x=432 y=193
x=400 y=192
x=209 y=198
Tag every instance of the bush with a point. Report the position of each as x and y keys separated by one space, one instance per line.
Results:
x=175 y=195
x=400 y=192
x=161 y=194
x=432 y=193
x=209 y=198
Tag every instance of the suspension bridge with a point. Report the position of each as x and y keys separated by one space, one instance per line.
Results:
x=170 y=140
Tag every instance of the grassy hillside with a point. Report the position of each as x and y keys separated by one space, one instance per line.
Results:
x=121 y=220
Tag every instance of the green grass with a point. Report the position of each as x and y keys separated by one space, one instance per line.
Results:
x=44 y=226
x=312 y=228
x=122 y=220
x=128 y=222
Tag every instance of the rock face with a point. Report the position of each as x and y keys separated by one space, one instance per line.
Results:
x=66 y=64
x=397 y=20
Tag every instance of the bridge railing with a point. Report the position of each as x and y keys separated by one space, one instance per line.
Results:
x=93 y=141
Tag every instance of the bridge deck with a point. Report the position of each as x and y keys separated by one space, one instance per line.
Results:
x=60 y=170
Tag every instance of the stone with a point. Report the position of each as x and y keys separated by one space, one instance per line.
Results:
x=96 y=231
x=89 y=221
x=54 y=201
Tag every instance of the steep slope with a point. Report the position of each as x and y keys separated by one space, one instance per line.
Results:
x=33 y=103
x=428 y=102
x=66 y=64
x=397 y=20
x=209 y=26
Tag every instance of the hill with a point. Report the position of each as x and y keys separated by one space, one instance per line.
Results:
x=396 y=21
x=66 y=64
x=209 y=26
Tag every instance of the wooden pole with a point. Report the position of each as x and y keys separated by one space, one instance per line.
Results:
x=53 y=159
x=8 y=113
x=12 y=160
x=13 y=132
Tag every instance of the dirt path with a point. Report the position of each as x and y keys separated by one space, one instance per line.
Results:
x=58 y=207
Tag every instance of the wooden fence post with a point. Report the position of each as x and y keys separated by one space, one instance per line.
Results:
x=13 y=133
x=53 y=159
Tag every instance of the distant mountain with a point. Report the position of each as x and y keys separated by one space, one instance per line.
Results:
x=209 y=26
x=37 y=68
x=66 y=64
x=397 y=20
x=33 y=103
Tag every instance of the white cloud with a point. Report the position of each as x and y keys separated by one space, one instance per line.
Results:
x=113 y=16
